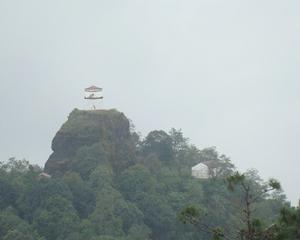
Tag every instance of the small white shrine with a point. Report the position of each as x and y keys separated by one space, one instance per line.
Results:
x=200 y=171
x=205 y=170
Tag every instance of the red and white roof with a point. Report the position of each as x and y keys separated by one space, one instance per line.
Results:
x=93 y=89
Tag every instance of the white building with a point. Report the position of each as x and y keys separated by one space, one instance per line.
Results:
x=44 y=175
x=204 y=170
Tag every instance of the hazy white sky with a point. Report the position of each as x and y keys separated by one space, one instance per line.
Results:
x=226 y=72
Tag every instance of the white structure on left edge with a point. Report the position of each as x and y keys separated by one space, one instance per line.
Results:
x=45 y=175
x=205 y=170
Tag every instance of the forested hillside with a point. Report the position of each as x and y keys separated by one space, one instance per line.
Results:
x=109 y=183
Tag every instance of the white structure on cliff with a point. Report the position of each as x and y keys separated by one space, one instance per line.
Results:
x=205 y=170
x=93 y=95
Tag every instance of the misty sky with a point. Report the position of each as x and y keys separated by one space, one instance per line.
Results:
x=225 y=72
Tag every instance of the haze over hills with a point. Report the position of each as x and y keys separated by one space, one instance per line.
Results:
x=104 y=182
x=226 y=72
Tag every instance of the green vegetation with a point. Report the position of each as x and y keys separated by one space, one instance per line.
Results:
x=251 y=197
x=108 y=184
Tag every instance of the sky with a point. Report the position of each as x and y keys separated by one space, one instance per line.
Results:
x=225 y=72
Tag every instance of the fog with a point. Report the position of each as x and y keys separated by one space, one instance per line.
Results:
x=225 y=72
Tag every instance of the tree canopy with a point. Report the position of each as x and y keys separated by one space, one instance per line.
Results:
x=112 y=184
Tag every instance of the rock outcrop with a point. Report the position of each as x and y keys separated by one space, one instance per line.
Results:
x=91 y=138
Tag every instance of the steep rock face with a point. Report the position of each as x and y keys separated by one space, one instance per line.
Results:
x=90 y=138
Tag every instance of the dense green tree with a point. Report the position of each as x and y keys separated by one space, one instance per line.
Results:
x=159 y=143
x=135 y=181
x=13 y=227
x=110 y=184
x=8 y=192
x=87 y=158
x=289 y=224
x=138 y=232
x=249 y=191
x=179 y=142
x=56 y=218
x=83 y=196
x=37 y=196
x=103 y=220
x=101 y=177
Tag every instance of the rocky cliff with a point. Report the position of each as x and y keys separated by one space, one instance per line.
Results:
x=91 y=138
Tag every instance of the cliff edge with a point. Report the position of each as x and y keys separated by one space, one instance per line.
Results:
x=89 y=139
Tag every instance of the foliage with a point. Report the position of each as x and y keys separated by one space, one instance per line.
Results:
x=110 y=184
x=289 y=224
x=250 y=192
